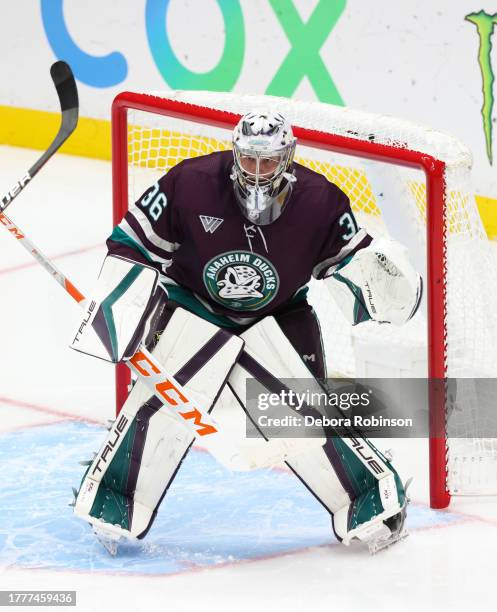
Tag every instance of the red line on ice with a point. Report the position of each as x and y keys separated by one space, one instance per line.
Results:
x=50 y=411
x=53 y=258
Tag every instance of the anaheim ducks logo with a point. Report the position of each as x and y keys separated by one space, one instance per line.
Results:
x=241 y=280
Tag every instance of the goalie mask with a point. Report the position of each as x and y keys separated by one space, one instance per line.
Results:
x=263 y=150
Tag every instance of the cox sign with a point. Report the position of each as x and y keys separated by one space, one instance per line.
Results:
x=303 y=59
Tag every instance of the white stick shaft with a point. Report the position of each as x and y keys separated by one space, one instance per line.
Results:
x=16 y=232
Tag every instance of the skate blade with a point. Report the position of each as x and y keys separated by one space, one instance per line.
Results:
x=380 y=544
x=109 y=541
x=110 y=546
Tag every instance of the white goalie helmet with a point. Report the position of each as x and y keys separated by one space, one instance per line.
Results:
x=263 y=150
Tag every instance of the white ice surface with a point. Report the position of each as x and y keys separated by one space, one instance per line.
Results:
x=66 y=211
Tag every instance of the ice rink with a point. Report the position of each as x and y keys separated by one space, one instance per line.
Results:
x=222 y=541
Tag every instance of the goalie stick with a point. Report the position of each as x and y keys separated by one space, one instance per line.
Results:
x=67 y=92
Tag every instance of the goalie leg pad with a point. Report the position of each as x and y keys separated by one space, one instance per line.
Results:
x=145 y=446
x=349 y=476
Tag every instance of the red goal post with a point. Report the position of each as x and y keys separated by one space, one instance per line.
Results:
x=358 y=141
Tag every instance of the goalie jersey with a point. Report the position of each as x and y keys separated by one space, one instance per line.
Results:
x=219 y=265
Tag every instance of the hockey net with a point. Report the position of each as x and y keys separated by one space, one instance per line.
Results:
x=403 y=180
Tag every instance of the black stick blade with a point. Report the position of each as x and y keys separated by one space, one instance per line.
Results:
x=65 y=85
x=67 y=92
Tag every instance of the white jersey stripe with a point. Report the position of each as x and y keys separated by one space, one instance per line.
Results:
x=346 y=250
x=146 y=226
x=127 y=229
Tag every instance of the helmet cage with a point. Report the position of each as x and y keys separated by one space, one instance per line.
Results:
x=262 y=168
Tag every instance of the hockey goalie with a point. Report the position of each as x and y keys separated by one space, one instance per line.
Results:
x=209 y=271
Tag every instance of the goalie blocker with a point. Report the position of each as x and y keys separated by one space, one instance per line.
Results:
x=128 y=478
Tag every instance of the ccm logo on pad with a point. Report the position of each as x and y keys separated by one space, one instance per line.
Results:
x=169 y=393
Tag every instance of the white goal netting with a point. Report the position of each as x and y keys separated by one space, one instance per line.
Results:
x=386 y=199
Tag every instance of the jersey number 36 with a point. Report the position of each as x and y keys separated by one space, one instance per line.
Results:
x=155 y=201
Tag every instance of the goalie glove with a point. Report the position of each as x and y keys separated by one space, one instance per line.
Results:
x=377 y=283
x=116 y=316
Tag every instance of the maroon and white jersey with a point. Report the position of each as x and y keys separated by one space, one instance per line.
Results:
x=190 y=227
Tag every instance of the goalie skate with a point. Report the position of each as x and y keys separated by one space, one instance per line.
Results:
x=385 y=538
x=392 y=530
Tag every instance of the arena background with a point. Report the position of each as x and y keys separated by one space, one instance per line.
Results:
x=429 y=62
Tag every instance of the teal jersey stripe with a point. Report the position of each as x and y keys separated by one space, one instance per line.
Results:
x=300 y=295
x=119 y=235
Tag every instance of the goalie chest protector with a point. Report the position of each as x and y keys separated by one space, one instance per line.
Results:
x=209 y=247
